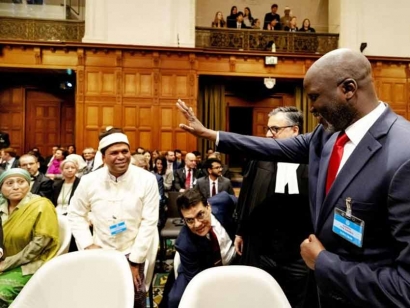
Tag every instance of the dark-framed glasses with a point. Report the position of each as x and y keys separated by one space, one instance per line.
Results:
x=200 y=217
x=276 y=129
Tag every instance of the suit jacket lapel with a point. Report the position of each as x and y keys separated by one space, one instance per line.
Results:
x=363 y=152
x=322 y=176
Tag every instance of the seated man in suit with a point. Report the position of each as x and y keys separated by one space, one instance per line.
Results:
x=185 y=177
x=206 y=239
x=214 y=183
x=9 y=159
x=40 y=184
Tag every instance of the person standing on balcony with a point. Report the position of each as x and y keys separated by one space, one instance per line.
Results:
x=272 y=19
x=219 y=21
x=231 y=19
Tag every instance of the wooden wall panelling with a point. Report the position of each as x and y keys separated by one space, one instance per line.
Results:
x=12 y=112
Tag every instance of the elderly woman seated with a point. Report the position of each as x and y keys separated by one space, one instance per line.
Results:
x=30 y=229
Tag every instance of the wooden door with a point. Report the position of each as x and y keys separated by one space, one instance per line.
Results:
x=260 y=121
x=42 y=121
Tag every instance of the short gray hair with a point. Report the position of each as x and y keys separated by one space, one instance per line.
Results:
x=293 y=114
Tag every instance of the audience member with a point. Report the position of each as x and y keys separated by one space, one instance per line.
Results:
x=256 y=23
x=372 y=267
x=219 y=21
x=31 y=235
x=9 y=158
x=154 y=156
x=172 y=164
x=225 y=169
x=247 y=17
x=186 y=177
x=147 y=155
x=71 y=149
x=270 y=192
x=49 y=158
x=272 y=19
x=209 y=151
x=292 y=25
x=239 y=21
x=143 y=162
x=139 y=150
x=54 y=168
x=81 y=164
x=41 y=160
x=40 y=184
x=285 y=20
x=167 y=175
x=88 y=154
x=64 y=189
x=214 y=183
x=306 y=26
x=198 y=158
x=124 y=203
x=204 y=241
x=178 y=158
x=4 y=140
x=231 y=19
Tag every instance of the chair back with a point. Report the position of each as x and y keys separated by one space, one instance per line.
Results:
x=243 y=287
x=81 y=279
x=172 y=204
x=65 y=234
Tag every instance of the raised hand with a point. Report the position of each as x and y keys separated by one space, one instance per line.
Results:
x=194 y=126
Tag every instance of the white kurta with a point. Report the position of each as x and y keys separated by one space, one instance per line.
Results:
x=132 y=198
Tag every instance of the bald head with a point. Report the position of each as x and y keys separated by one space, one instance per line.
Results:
x=341 y=64
x=340 y=88
x=190 y=160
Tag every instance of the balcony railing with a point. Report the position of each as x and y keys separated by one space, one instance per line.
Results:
x=259 y=40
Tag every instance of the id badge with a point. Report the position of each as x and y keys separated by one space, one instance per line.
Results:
x=118 y=228
x=348 y=227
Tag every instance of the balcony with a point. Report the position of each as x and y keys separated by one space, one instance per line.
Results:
x=260 y=40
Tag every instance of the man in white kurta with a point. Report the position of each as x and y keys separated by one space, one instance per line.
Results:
x=123 y=202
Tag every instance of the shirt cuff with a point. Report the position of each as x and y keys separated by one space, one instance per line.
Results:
x=217 y=138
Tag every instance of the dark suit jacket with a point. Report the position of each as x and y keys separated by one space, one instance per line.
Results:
x=43 y=186
x=224 y=184
x=4 y=140
x=180 y=177
x=58 y=185
x=15 y=164
x=195 y=251
x=268 y=18
x=260 y=208
x=376 y=177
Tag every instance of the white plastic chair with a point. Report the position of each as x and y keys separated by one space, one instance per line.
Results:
x=65 y=234
x=233 y=286
x=81 y=279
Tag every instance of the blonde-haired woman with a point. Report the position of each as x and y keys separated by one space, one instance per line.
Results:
x=64 y=189
x=219 y=21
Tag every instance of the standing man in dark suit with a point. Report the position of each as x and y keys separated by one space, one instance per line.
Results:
x=359 y=175
x=40 y=184
x=272 y=19
x=214 y=183
x=4 y=140
x=187 y=176
x=205 y=240
x=276 y=194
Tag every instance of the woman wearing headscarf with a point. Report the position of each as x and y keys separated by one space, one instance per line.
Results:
x=30 y=228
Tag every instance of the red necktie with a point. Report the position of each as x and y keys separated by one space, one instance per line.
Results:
x=335 y=159
x=216 y=250
x=188 y=180
x=213 y=189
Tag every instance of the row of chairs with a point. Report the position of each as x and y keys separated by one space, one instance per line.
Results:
x=84 y=279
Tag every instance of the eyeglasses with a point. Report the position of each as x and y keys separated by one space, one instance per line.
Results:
x=275 y=129
x=200 y=217
x=219 y=167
